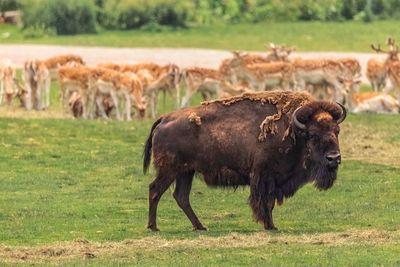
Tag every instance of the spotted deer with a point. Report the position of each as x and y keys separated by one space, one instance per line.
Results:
x=230 y=73
x=278 y=52
x=348 y=76
x=206 y=81
x=152 y=73
x=371 y=102
x=264 y=76
x=322 y=73
x=37 y=81
x=376 y=74
x=76 y=80
x=7 y=81
x=374 y=102
x=377 y=71
x=68 y=60
x=123 y=89
x=76 y=106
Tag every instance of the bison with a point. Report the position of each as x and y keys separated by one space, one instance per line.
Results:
x=274 y=142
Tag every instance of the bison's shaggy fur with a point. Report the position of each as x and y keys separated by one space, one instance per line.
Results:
x=284 y=103
x=242 y=141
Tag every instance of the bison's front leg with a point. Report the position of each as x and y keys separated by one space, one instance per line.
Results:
x=268 y=223
x=262 y=200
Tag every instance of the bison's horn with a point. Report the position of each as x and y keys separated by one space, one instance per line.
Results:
x=298 y=124
x=344 y=113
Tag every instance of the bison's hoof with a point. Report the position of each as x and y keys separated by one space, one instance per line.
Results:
x=200 y=228
x=153 y=228
x=271 y=228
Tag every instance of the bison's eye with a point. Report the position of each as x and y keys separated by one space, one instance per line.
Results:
x=314 y=137
x=337 y=130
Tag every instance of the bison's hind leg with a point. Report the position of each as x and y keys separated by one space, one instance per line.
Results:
x=156 y=189
x=181 y=195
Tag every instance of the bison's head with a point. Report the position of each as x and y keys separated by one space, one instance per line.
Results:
x=318 y=123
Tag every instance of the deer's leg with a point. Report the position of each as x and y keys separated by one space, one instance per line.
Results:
x=128 y=107
x=99 y=102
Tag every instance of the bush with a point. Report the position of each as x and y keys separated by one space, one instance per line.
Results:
x=378 y=7
x=65 y=16
x=368 y=14
x=332 y=13
x=135 y=14
x=33 y=32
x=349 y=9
x=82 y=16
x=360 y=5
x=276 y=12
x=310 y=10
x=6 y=5
x=170 y=13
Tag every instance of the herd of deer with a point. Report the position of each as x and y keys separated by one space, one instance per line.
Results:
x=93 y=92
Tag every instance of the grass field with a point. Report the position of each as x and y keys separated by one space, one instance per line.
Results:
x=306 y=36
x=72 y=192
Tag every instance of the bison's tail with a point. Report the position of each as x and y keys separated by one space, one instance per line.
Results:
x=147 y=147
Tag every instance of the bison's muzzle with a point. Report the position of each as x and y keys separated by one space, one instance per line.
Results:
x=333 y=159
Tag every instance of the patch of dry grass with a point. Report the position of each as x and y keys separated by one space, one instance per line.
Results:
x=369 y=143
x=21 y=113
x=88 y=249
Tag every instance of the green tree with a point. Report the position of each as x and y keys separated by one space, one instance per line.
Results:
x=6 y=5
x=348 y=9
x=378 y=7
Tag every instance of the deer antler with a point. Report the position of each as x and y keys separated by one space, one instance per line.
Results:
x=236 y=53
x=390 y=41
x=377 y=49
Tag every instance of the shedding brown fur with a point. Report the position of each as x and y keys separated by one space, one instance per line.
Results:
x=193 y=117
x=285 y=103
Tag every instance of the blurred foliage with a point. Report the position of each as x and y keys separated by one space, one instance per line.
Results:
x=6 y=5
x=62 y=16
x=128 y=14
x=77 y=16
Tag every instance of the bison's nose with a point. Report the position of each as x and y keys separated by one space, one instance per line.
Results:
x=333 y=158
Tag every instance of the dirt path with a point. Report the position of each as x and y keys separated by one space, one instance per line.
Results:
x=183 y=57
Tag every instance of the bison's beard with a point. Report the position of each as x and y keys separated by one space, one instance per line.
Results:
x=323 y=176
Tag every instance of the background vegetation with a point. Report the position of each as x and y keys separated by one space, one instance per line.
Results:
x=305 y=36
x=74 y=16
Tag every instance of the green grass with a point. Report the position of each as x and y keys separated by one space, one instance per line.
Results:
x=66 y=180
x=306 y=36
